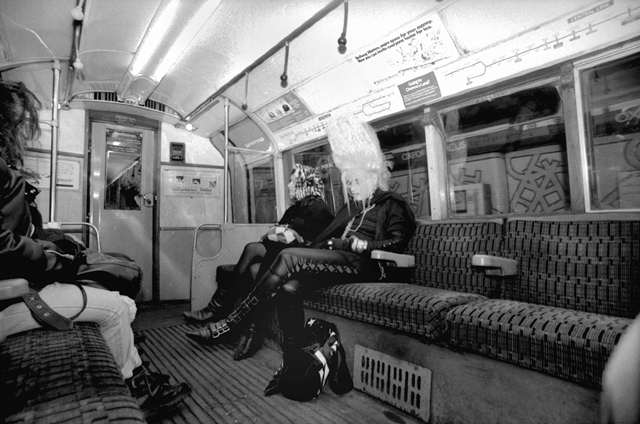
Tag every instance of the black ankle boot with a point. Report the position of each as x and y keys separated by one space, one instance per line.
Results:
x=220 y=330
x=154 y=393
x=250 y=341
x=212 y=312
x=218 y=307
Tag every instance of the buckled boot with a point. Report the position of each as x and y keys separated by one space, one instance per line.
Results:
x=218 y=307
x=221 y=330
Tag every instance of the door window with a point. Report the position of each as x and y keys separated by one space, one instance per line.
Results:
x=124 y=169
x=611 y=102
x=252 y=187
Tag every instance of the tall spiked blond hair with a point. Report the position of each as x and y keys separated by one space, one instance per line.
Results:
x=355 y=147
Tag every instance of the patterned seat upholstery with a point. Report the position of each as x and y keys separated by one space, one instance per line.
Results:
x=409 y=308
x=62 y=376
x=577 y=262
x=569 y=344
x=443 y=251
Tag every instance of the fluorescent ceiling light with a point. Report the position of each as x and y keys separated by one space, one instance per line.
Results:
x=153 y=38
x=184 y=39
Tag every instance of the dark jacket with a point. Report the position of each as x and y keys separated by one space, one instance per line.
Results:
x=388 y=226
x=307 y=217
x=20 y=255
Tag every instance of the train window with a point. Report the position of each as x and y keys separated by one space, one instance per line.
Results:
x=507 y=154
x=611 y=101
x=405 y=151
x=252 y=187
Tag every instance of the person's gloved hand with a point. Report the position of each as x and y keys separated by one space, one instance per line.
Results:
x=337 y=244
x=357 y=245
x=60 y=267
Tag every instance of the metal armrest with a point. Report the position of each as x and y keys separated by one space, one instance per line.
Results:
x=400 y=260
x=496 y=265
x=13 y=287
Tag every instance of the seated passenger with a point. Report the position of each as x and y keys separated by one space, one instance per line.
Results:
x=341 y=252
x=22 y=256
x=621 y=380
x=300 y=224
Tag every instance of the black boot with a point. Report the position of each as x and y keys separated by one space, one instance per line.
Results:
x=154 y=393
x=291 y=320
x=253 y=333
x=220 y=330
x=218 y=307
x=250 y=340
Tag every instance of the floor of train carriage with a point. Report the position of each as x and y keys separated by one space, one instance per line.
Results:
x=228 y=391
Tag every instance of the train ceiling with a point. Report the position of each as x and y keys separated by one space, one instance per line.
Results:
x=98 y=42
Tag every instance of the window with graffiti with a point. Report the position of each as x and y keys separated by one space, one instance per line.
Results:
x=611 y=104
x=506 y=154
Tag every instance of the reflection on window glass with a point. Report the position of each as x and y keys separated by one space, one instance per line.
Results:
x=405 y=151
x=124 y=170
x=320 y=158
x=612 y=116
x=508 y=155
x=252 y=187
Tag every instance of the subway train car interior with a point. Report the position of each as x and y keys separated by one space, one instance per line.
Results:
x=320 y=211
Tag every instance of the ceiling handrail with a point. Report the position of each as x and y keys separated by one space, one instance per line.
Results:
x=208 y=102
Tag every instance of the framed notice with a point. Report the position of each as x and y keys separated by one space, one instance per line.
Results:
x=190 y=196
x=176 y=151
x=68 y=171
x=189 y=182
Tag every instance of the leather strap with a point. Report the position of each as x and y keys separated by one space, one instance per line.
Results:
x=46 y=316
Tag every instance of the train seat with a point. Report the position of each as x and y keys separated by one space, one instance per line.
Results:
x=54 y=376
x=63 y=376
x=416 y=310
x=570 y=300
x=569 y=344
x=443 y=278
x=560 y=310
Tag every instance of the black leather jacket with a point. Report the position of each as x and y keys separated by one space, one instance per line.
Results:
x=388 y=225
x=20 y=255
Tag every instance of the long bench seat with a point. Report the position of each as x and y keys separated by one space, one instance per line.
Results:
x=49 y=376
x=588 y=263
x=564 y=343
x=416 y=310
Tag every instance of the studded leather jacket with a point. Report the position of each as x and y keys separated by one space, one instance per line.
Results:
x=387 y=224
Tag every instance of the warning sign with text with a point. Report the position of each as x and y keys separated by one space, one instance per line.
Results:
x=419 y=90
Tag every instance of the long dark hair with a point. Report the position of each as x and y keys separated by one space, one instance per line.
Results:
x=18 y=121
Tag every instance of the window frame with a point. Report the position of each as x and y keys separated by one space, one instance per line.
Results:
x=579 y=67
x=550 y=76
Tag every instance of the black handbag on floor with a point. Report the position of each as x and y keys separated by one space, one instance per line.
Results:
x=306 y=370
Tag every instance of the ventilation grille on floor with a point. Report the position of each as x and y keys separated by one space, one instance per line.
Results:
x=400 y=383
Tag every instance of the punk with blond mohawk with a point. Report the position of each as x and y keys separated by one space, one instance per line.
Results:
x=341 y=253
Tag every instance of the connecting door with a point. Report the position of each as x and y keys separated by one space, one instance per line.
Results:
x=123 y=195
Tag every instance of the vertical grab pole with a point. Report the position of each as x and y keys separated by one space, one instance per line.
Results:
x=54 y=142
x=225 y=181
